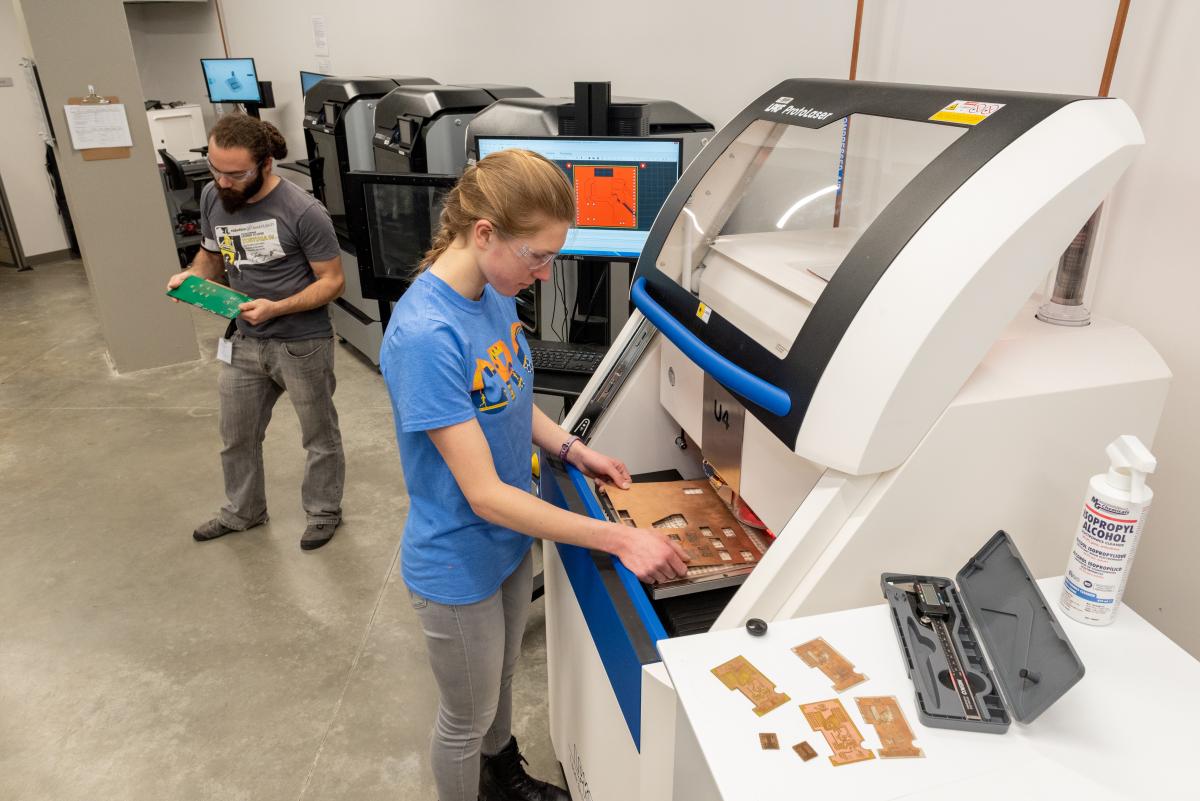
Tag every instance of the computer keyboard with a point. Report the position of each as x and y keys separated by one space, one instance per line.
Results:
x=565 y=357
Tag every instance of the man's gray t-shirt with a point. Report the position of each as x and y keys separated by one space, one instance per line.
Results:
x=267 y=247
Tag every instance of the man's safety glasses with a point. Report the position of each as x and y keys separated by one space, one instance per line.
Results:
x=243 y=175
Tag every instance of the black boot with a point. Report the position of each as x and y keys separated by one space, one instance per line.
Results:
x=502 y=778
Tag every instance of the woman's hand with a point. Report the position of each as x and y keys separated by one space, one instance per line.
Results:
x=605 y=469
x=651 y=555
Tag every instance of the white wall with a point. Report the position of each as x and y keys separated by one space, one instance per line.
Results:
x=1023 y=45
x=710 y=56
x=22 y=153
x=714 y=56
x=1150 y=277
x=169 y=39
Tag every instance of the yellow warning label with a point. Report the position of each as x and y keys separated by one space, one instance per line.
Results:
x=703 y=312
x=967 y=112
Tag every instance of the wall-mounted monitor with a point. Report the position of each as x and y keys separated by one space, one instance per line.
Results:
x=231 y=80
x=310 y=79
x=620 y=184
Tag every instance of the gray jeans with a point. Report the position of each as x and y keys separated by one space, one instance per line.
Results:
x=473 y=651
x=261 y=371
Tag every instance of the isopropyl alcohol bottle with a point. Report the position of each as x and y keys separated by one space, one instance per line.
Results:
x=1114 y=512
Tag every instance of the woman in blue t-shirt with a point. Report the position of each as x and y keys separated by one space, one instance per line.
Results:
x=460 y=376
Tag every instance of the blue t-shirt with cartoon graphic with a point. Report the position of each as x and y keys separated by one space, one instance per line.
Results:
x=447 y=359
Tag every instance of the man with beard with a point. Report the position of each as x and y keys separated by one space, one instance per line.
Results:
x=272 y=241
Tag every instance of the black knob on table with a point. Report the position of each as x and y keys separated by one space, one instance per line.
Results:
x=756 y=626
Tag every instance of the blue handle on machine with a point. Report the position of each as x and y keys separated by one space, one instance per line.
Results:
x=633 y=587
x=736 y=379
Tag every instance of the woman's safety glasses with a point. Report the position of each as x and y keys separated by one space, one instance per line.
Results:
x=534 y=260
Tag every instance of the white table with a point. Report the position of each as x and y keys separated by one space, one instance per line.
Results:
x=1127 y=730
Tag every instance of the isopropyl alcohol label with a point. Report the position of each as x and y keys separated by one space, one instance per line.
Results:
x=1100 y=560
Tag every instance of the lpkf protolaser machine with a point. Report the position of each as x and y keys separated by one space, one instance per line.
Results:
x=835 y=312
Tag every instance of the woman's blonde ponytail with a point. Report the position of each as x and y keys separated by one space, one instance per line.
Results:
x=517 y=190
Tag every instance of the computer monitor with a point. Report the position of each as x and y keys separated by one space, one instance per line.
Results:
x=310 y=79
x=231 y=80
x=620 y=184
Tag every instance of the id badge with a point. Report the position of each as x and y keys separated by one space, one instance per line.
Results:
x=225 y=350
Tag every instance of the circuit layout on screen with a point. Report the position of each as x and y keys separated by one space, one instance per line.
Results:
x=605 y=196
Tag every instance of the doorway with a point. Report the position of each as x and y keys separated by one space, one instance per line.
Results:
x=10 y=244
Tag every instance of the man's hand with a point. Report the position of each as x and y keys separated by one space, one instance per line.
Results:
x=175 y=280
x=593 y=464
x=651 y=555
x=257 y=311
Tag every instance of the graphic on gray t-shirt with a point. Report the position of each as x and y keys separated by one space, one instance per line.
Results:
x=267 y=247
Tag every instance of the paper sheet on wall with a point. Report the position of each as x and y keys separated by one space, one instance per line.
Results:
x=95 y=126
x=320 y=37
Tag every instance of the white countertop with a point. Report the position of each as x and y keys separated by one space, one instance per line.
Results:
x=1128 y=729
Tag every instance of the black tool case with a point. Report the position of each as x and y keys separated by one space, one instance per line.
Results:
x=1016 y=655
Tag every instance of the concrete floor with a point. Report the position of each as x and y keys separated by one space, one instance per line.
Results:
x=138 y=664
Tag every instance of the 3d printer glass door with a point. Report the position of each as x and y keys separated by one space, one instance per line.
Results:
x=392 y=218
x=401 y=220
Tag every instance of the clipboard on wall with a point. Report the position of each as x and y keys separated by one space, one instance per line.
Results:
x=90 y=152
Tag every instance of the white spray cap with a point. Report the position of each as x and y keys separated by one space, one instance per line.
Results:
x=1131 y=462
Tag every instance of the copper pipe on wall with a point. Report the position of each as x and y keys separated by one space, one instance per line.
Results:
x=1114 y=45
x=858 y=17
x=837 y=201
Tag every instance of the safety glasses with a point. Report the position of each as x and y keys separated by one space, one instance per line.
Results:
x=243 y=175
x=533 y=260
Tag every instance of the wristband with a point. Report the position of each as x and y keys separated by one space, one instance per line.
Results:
x=566 y=447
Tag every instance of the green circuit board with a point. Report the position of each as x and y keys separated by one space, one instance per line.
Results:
x=209 y=296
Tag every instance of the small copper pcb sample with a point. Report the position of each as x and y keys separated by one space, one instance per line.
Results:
x=769 y=741
x=883 y=712
x=804 y=750
x=821 y=655
x=739 y=674
x=830 y=718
